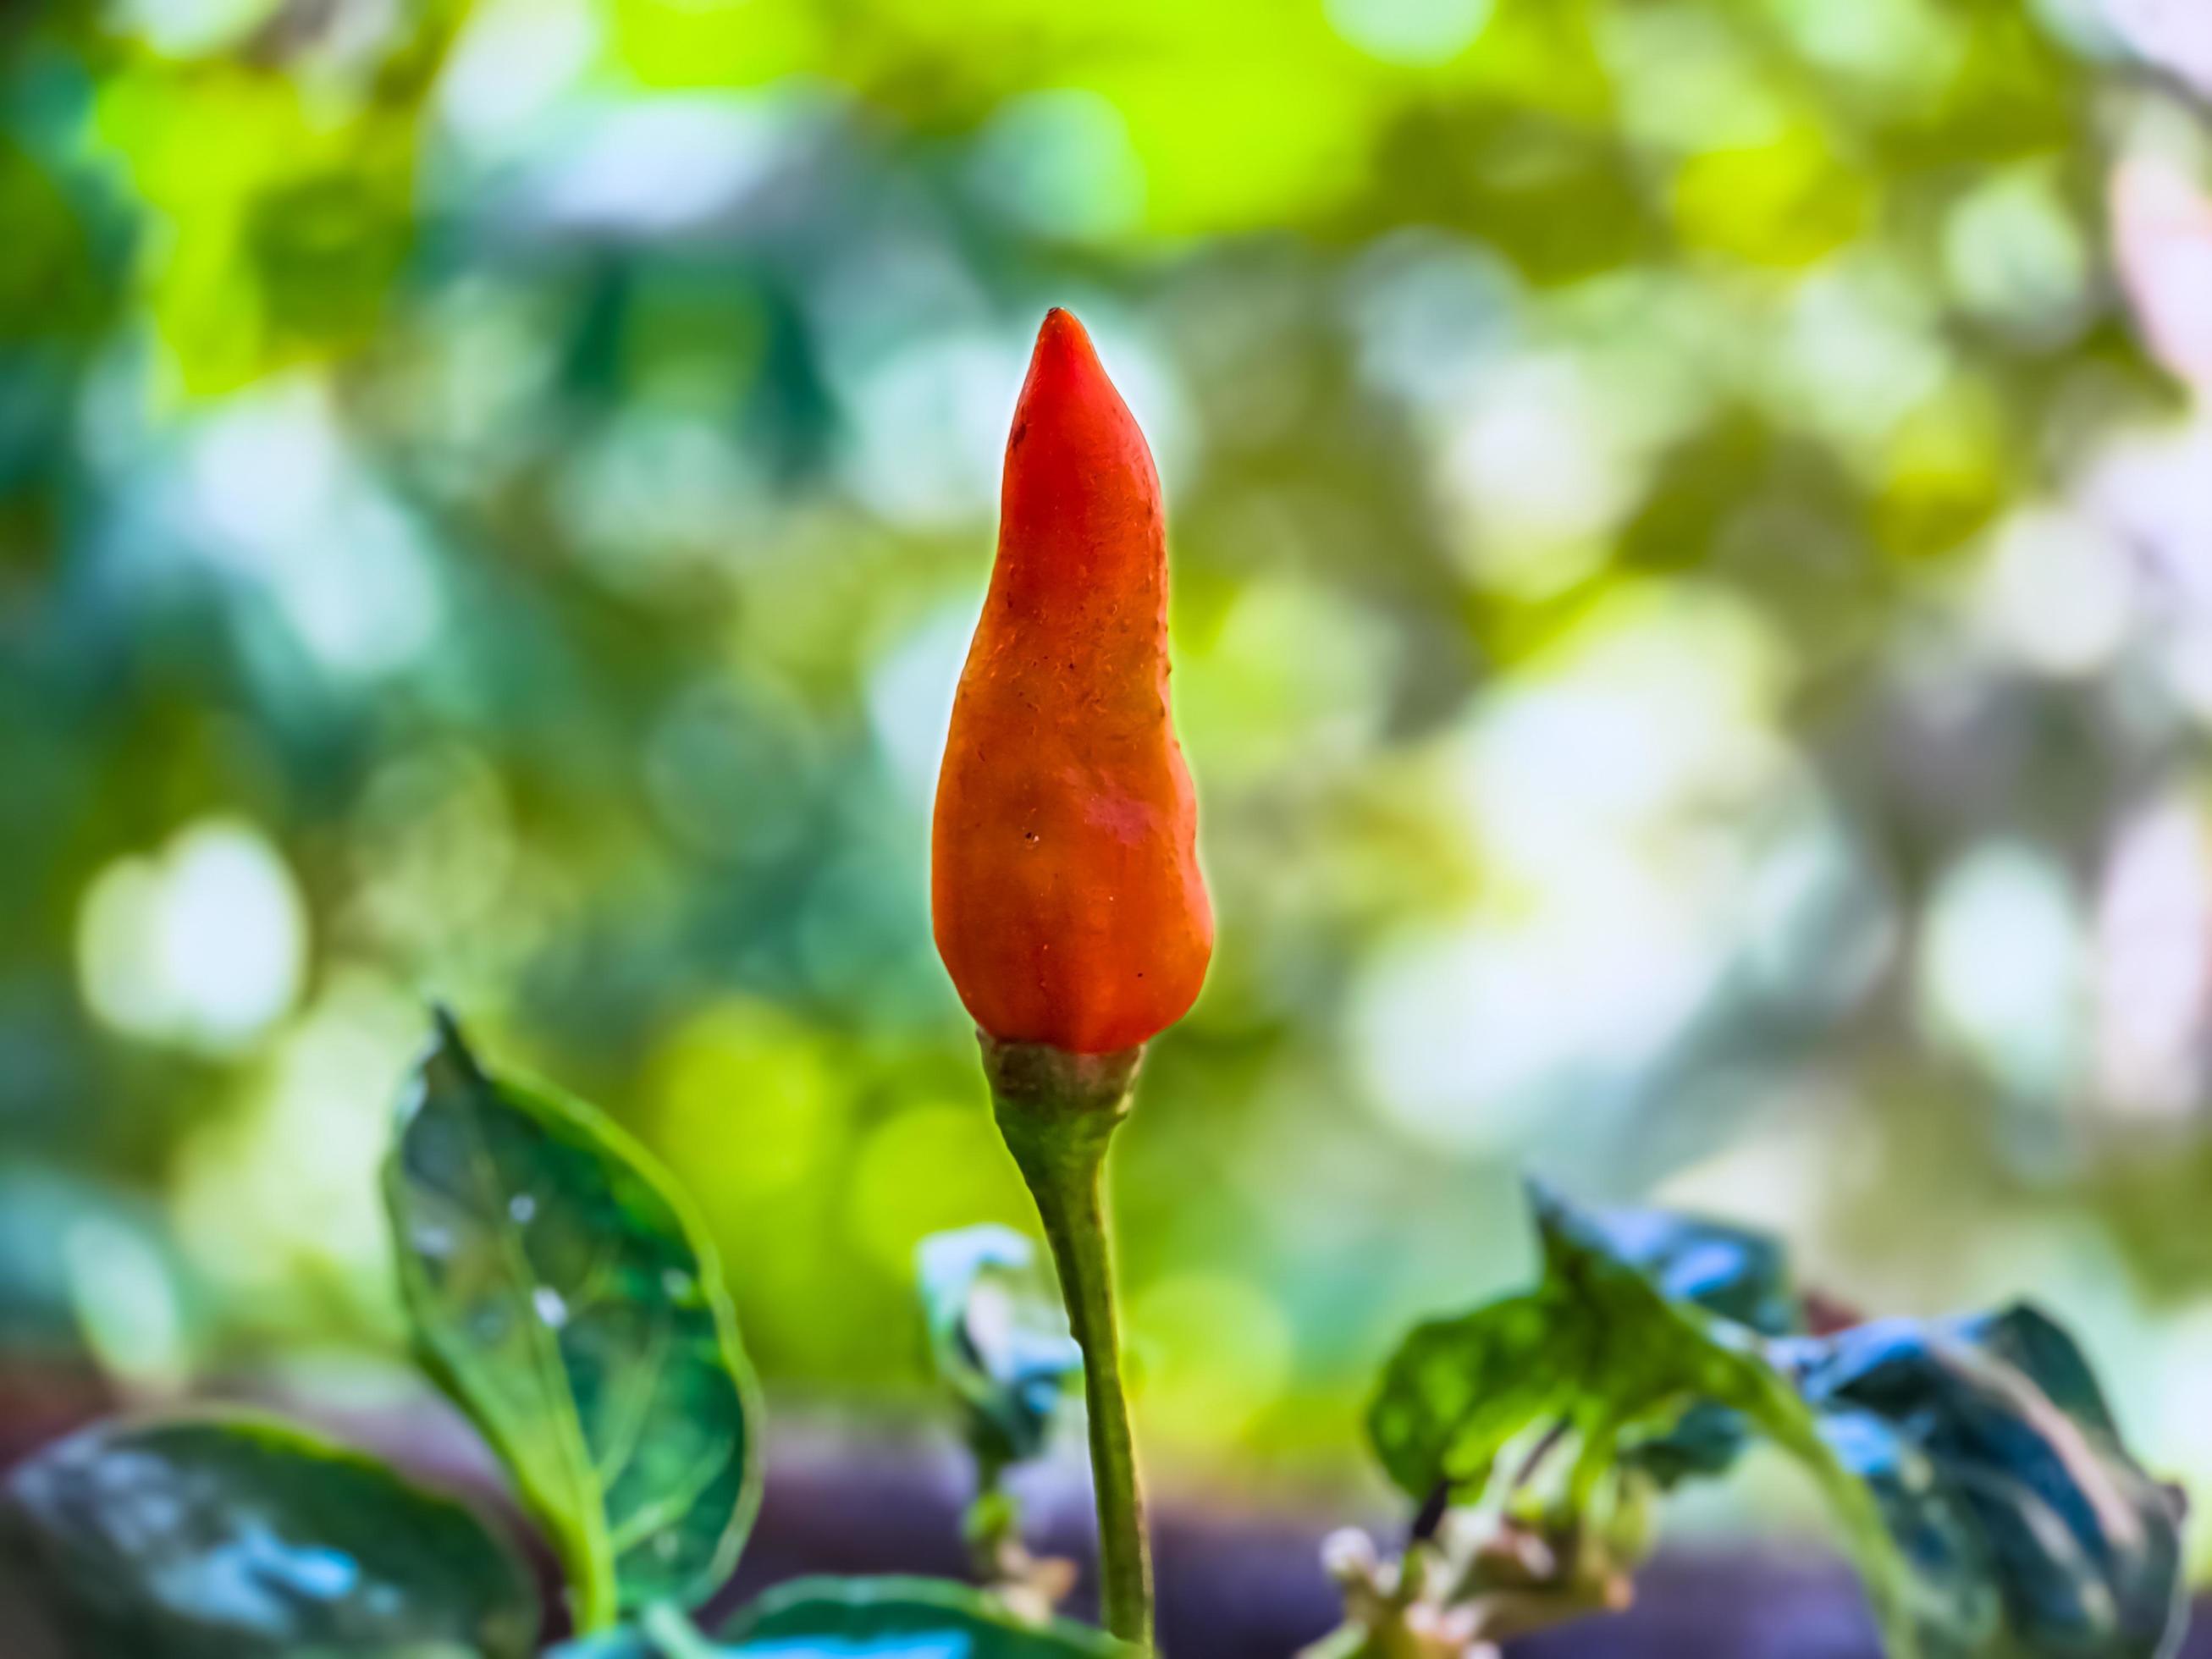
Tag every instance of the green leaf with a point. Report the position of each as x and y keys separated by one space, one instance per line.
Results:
x=660 y=1632
x=1974 y=1465
x=563 y=1295
x=855 y=1619
x=902 y=1619
x=239 y=1537
x=2037 y=1346
x=2032 y=1533
x=89 y=1301
x=1738 y=1272
x=1457 y=1391
x=1597 y=1349
x=998 y=1336
x=1734 y=1271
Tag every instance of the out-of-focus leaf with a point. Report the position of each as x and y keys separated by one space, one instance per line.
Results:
x=998 y=1336
x=238 y=1537
x=2031 y=1531
x=1565 y=207
x=902 y=1619
x=325 y=248
x=564 y=1297
x=1598 y=1349
x=87 y=1270
x=1786 y=201
x=854 y=1619
x=288 y=233
x=2036 y=1345
x=1734 y=1272
x=659 y=1632
x=52 y=281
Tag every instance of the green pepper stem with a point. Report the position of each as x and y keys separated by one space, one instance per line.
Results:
x=1058 y=1112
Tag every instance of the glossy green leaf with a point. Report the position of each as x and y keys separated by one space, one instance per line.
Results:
x=1457 y=1391
x=1599 y=1350
x=563 y=1295
x=1737 y=1273
x=2032 y=1533
x=239 y=1537
x=1741 y=1275
x=998 y=1336
x=902 y=1619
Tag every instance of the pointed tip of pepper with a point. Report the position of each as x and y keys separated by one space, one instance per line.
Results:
x=1069 y=395
x=1060 y=323
x=1063 y=349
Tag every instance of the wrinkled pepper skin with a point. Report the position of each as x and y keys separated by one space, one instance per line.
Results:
x=1066 y=890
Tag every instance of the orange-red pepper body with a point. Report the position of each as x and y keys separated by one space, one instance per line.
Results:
x=1066 y=890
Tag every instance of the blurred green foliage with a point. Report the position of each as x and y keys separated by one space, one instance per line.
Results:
x=1690 y=606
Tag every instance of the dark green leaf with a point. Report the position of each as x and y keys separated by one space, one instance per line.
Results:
x=2032 y=1343
x=1458 y=1389
x=998 y=1336
x=1735 y=1273
x=902 y=1619
x=237 y=1537
x=1988 y=1443
x=563 y=1294
x=1598 y=1349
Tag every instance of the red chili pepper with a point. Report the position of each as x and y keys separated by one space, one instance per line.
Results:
x=1068 y=904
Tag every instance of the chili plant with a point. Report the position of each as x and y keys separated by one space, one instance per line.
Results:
x=1064 y=886
x=560 y=1291
x=1973 y=1469
x=561 y=1294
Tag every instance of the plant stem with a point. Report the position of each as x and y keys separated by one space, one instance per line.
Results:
x=1058 y=1112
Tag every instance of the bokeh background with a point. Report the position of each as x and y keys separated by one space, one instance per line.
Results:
x=1692 y=538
